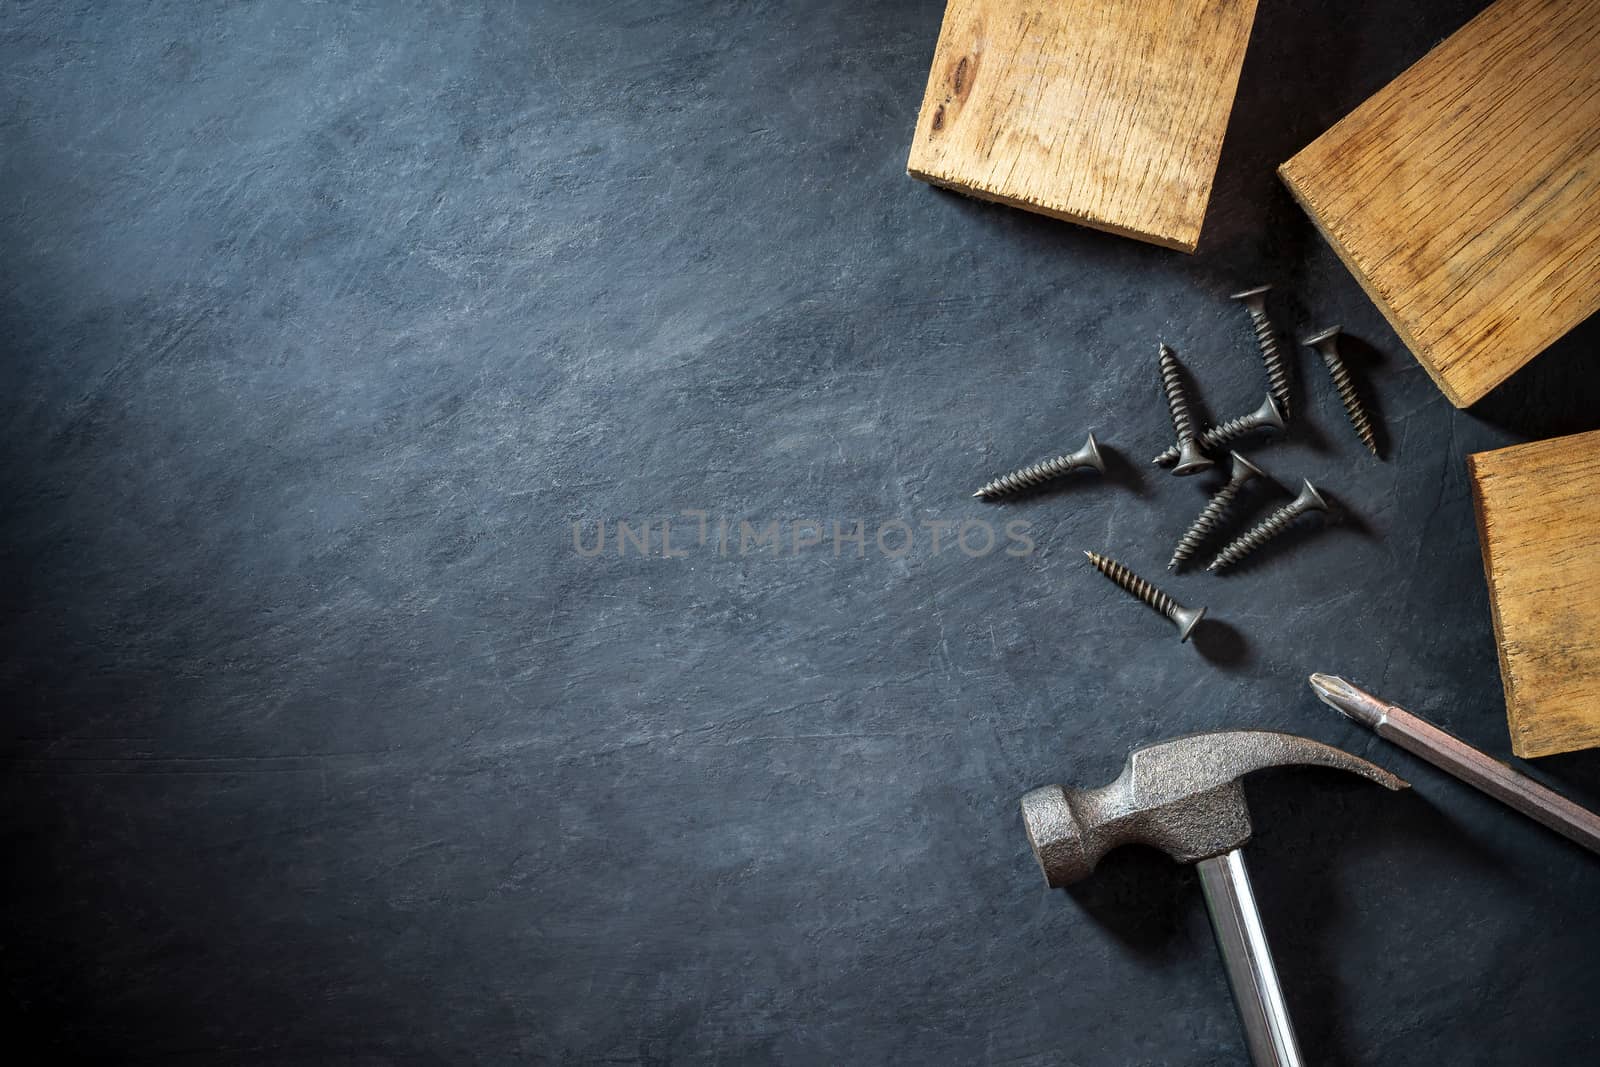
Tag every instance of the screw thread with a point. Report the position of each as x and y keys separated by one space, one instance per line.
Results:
x=1177 y=399
x=1256 y=536
x=1352 y=403
x=1227 y=432
x=1215 y=437
x=1206 y=523
x=1132 y=584
x=1027 y=478
x=1272 y=356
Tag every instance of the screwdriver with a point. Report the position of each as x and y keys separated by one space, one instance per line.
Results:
x=1450 y=753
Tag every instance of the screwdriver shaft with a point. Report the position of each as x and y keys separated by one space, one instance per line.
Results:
x=1450 y=753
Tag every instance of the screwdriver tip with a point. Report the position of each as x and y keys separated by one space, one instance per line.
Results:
x=1347 y=699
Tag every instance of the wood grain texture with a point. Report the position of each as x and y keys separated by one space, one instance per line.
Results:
x=1538 y=508
x=1105 y=113
x=1465 y=196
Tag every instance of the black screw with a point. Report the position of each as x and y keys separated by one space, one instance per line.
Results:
x=1309 y=500
x=1266 y=417
x=1190 y=459
x=1049 y=470
x=1216 y=509
x=1255 y=302
x=1327 y=345
x=1185 y=619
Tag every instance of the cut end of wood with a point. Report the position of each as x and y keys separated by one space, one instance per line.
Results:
x=1179 y=242
x=1532 y=745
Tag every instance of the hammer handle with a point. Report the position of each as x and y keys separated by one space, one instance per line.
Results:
x=1268 y=1033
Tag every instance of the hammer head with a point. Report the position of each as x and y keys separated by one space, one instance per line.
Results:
x=1182 y=796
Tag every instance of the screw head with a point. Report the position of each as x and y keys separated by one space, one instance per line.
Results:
x=1254 y=300
x=1243 y=469
x=1310 y=499
x=1269 y=414
x=1191 y=460
x=1187 y=619
x=1089 y=455
x=1319 y=339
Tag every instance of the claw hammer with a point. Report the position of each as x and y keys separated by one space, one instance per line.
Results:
x=1184 y=796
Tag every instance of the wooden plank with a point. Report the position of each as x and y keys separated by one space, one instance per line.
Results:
x=1108 y=113
x=1465 y=196
x=1538 y=511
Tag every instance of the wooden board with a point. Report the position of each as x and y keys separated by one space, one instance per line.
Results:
x=1109 y=113
x=1538 y=511
x=1465 y=196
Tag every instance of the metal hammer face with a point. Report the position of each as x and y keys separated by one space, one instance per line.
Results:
x=1182 y=796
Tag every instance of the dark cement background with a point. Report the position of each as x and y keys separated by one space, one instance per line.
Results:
x=323 y=323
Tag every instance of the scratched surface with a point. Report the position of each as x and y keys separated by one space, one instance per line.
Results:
x=324 y=323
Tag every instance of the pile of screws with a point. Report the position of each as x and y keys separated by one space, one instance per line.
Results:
x=1193 y=453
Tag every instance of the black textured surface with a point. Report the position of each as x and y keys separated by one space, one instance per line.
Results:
x=323 y=323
